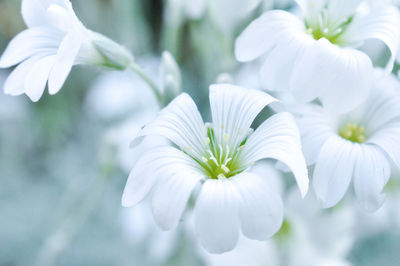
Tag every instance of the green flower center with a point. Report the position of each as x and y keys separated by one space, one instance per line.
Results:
x=220 y=160
x=324 y=27
x=354 y=133
x=285 y=231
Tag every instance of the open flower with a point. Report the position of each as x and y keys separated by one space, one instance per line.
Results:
x=54 y=41
x=357 y=145
x=219 y=156
x=317 y=56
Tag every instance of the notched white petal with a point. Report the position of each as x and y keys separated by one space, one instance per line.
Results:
x=216 y=215
x=334 y=170
x=233 y=110
x=155 y=165
x=381 y=23
x=35 y=81
x=279 y=138
x=30 y=42
x=261 y=209
x=14 y=84
x=371 y=174
x=65 y=59
x=181 y=123
x=172 y=194
x=264 y=33
x=340 y=77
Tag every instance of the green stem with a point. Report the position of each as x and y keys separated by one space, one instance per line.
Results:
x=153 y=86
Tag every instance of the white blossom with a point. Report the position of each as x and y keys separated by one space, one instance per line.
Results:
x=54 y=41
x=355 y=146
x=315 y=236
x=219 y=156
x=317 y=56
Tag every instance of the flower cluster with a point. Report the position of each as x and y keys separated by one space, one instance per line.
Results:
x=342 y=123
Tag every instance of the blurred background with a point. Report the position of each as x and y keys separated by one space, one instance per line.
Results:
x=64 y=161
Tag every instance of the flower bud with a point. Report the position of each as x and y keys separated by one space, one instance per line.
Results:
x=113 y=55
x=170 y=77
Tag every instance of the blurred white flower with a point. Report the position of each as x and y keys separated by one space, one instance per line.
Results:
x=317 y=56
x=121 y=135
x=248 y=252
x=227 y=14
x=123 y=101
x=219 y=156
x=357 y=145
x=387 y=218
x=139 y=228
x=115 y=95
x=54 y=41
x=11 y=108
x=314 y=236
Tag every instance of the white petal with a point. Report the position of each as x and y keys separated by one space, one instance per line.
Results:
x=216 y=215
x=65 y=58
x=264 y=32
x=35 y=81
x=233 y=111
x=278 y=138
x=339 y=9
x=341 y=77
x=371 y=174
x=279 y=64
x=261 y=209
x=334 y=169
x=388 y=139
x=29 y=43
x=171 y=195
x=381 y=23
x=314 y=128
x=60 y=15
x=311 y=8
x=34 y=12
x=181 y=123
x=382 y=107
x=155 y=165
x=14 y=84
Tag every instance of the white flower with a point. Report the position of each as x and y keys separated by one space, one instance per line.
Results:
x=117 y=94
x=247 y=252
x=54 y=41
x=220 y=156
x=139 y=229
x=317 y=56
x=314 y=236
x=226 y=14
x=229 y=14
x=357 y=145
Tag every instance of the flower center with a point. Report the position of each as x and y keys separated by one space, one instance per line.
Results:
x=285 y=232
x=220 y=160
x=354 y=133
x=324 y=27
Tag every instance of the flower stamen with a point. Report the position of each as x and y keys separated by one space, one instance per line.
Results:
x=354 y=133
x=220 y=160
